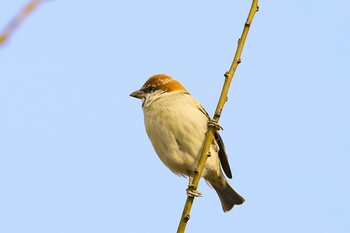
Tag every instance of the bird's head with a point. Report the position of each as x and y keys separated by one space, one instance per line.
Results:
x=156 y=86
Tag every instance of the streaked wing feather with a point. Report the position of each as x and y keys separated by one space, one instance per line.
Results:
x=223 y=155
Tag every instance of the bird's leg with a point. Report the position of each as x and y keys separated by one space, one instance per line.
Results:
x=191 y=190
x=215 y=125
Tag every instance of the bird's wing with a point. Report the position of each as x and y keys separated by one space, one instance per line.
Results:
x=223 y=155
x=222 y=151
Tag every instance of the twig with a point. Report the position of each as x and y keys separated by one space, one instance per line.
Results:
x=211 y=128
x=13 y=24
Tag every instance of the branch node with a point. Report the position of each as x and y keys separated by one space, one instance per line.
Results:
x=239 y=60
x=187 y=217
x=248 y=23
x=217 y=114
x=195 y=170
x=226 y=74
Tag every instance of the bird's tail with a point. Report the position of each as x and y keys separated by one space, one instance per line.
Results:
x=228 y=196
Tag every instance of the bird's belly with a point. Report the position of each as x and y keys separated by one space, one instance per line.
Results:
x=177 y=144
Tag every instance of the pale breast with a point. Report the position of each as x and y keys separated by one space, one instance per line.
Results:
x=176 y=128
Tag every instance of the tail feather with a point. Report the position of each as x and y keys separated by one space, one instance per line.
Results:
x=228 y=196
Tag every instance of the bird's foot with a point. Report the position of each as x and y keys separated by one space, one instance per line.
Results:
x=215 y=125
x=192 y=189
x=192 y=192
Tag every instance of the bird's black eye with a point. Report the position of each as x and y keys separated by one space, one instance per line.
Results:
x=149 y=88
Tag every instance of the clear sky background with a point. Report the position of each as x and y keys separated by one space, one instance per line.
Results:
x=74 y=155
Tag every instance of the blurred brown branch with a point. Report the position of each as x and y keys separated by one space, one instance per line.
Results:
x=17 y=20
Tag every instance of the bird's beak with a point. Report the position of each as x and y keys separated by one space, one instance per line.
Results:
x=138 y=94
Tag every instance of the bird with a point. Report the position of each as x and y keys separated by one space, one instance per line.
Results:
x=176 y=124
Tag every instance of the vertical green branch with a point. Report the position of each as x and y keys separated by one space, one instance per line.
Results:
x=211 y=128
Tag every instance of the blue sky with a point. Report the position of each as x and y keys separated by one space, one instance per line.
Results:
x=74 y=155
